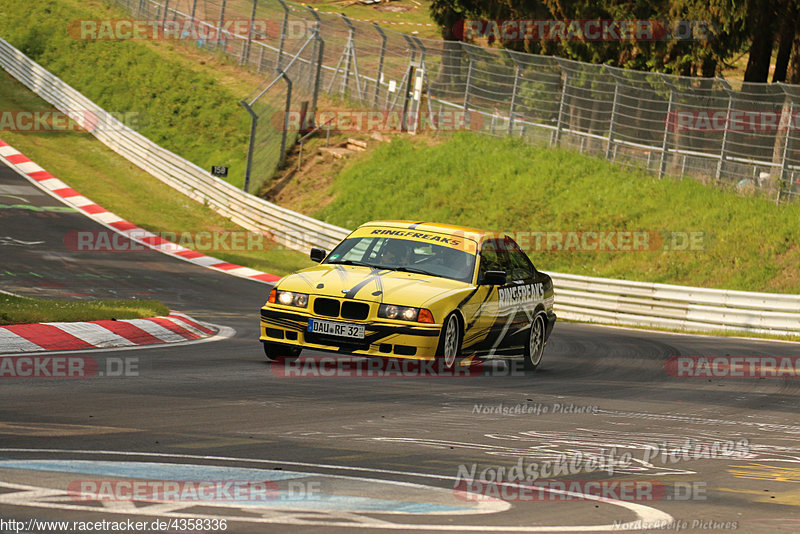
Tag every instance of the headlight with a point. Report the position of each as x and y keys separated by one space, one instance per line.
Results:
x=289 y=298
x=405 y=313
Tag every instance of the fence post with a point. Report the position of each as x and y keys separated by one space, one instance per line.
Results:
x=513 y=106
x=786 y=147
x=466 y=90
x=285 y=117
x=723 y=153
x=379 y=76
x=251 y=144
x=349 y=51
x=612 y=122
x=662 y=167
x=556 y=139
x=164 y=15
x=246 y=48
x=221 y=22
x=284 y=28
x=318 y=54
x=194 y=10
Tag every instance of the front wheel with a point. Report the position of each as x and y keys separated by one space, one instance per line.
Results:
x=274 y=353
x=449 y=342
x=535 y=347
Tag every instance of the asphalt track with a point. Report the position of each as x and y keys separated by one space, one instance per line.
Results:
x=364 y=454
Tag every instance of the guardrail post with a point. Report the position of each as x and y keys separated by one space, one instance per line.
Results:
x=221 y=22
x=662 y=167
x=379 y=76
x=246 y=47
x=194 y=10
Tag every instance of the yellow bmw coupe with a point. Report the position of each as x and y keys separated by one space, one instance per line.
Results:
x=405 y=289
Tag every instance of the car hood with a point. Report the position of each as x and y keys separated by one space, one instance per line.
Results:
x=364 y=283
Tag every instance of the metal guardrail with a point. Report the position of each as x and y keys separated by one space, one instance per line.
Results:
x=288 y=228
x=675 y=307
x=578 y=297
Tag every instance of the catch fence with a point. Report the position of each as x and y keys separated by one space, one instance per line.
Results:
x=723 y=132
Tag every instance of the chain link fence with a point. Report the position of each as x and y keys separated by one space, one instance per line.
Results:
x=739 y=134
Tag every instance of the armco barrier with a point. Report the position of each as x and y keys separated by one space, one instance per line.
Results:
x=578 y=297
x=288 y=228
x=676 y=307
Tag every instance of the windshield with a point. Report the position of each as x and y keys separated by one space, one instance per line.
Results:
x=405 y=255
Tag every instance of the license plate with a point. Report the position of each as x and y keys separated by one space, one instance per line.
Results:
x=332 y=328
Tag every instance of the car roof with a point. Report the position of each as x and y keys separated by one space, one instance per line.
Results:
x=432 y=227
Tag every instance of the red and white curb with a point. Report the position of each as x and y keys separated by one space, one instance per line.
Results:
x=58 y=189
x=173 y=328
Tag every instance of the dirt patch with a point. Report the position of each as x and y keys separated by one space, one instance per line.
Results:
x=393 y=8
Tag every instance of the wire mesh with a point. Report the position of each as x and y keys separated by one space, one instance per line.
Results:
x=729 y=133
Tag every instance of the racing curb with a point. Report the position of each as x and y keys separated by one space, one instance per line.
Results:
x=173 y=328
x=58 y=189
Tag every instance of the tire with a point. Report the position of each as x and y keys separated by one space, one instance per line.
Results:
x=535 y=346
x=274 y=353
x=449 y=342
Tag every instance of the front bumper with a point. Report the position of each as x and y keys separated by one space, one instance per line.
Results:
x=289 y=328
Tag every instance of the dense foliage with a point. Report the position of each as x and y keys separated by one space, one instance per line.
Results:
x=721 y=31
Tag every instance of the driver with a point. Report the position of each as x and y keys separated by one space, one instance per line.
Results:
x=395 y=252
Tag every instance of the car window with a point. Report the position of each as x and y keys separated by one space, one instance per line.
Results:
x=406 y=254
x=521 y=266
x=504 y=254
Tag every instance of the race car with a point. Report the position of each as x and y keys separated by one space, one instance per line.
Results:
x=403 y=289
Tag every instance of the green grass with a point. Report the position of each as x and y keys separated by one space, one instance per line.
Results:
x=119 y=186
x=748 y=243
x=22 y=310
x=183 y=107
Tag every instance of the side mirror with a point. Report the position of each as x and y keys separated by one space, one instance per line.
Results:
x=317 y=254
x=493 y=278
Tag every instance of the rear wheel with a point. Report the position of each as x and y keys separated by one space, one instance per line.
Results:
x=449 y=342
x=274 y=353
x=535 y=347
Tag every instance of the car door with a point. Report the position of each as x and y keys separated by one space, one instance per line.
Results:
x=526 y=286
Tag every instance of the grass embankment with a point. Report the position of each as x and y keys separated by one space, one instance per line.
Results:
x=91 y=168
x=741 y=242
x=21 y=310
x=186 y=102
